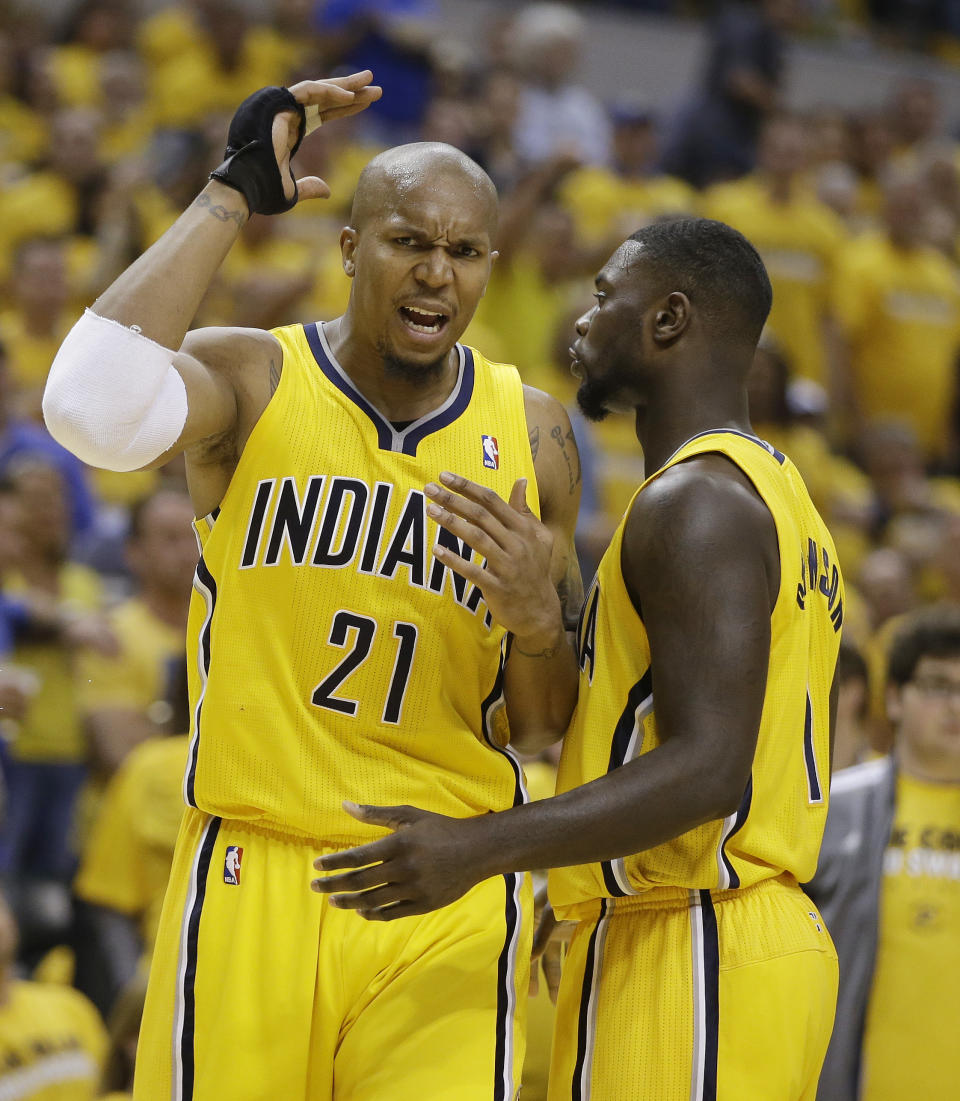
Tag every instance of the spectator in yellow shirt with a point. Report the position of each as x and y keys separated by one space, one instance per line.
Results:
x=608 y=203
x=36 y=320
x=52 y=1041
x=123 y=696
x=47 y=757
x=897 y=303
x=126 y=860
x=798 y=237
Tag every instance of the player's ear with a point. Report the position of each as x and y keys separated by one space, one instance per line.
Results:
x=348 y=248
x=671 y=318
x=493 y=259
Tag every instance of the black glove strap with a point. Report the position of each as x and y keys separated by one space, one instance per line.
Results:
x=251 y=164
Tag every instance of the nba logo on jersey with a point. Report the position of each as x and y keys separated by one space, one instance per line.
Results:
x=491 y=452
x=231 y=865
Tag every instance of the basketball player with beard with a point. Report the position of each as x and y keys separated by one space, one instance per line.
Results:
x=694 y=780
x=332 y=644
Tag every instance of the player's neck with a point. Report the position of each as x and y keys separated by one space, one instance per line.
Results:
x=397 y=397
x=665 y=423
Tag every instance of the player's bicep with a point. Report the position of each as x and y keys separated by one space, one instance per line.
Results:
x=699 y=574
x=213 y=364
x=211 y=402
x=556 y=462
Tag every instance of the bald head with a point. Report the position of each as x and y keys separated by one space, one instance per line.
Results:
x=394 y=174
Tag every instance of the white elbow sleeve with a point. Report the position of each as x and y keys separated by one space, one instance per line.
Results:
x=113 y=397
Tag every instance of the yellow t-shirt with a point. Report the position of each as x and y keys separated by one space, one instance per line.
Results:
x=23 y=133
x=30 y=356
x=799 y=242
x=126 y=862
x=910 y=1043
x=41 y=204
x=52 y=729
x=604 y=204
x=139 y=675
x=76 y=73
x=901 y=313
x=52 y=1044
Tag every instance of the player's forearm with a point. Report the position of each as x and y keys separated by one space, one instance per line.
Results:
x=540 y=689
x=162 y=290
x=645 y=803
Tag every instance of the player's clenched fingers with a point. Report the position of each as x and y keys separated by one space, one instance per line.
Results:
x=552 y=968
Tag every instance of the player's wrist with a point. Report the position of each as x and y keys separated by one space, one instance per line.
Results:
x=250 y=165
x=541 y=641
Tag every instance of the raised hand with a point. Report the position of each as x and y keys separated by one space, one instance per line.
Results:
x=516 y=582
x=322 y=100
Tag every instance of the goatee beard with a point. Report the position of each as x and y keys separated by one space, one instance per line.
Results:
x=418 y=374
x=591 y=398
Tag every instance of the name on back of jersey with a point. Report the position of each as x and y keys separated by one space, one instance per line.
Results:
x=819 y=575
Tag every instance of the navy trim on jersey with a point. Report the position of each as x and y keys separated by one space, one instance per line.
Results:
x=205 y=579
x=622 y=734
x=711 y=990
x=486 y=714
x=768 y=447
x=580 y=1089
x=190 y=969
x=503 y=1056
x=389 y=438
x=742 y=811
x=809 y=756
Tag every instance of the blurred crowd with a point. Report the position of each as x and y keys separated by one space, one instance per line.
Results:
x=111 y=117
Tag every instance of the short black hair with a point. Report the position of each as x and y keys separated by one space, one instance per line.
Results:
x=716 y=267
x=932 y=632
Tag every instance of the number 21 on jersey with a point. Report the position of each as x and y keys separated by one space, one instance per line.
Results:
x=358 y=632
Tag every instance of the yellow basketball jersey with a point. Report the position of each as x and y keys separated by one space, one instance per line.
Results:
x=334 y=657
x=779 y=824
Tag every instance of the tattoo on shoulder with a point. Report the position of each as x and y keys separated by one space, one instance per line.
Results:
x=220 y=212
x=568 y=445
x=535 y=440
x=274 y=376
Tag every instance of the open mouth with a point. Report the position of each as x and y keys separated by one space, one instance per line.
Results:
x=423 y=321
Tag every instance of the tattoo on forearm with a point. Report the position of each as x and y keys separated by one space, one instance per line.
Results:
x=568 y=445
x=274 y=376
x=535 y=441
x=220 y=212
x=570 y=591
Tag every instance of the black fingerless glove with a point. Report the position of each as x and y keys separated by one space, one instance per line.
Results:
x=251 y=165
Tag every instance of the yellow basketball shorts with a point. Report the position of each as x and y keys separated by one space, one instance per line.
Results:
x=262 y=991
x=726 y=995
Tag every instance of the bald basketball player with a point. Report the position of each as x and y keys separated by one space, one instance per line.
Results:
x=332 y=647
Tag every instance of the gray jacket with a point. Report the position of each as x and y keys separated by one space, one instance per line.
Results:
x=846 y=889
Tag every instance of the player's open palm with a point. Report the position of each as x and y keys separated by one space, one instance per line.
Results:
x=515 y=580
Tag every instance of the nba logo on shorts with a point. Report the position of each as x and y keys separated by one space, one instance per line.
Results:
x=491 y=452
x=231 y=865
